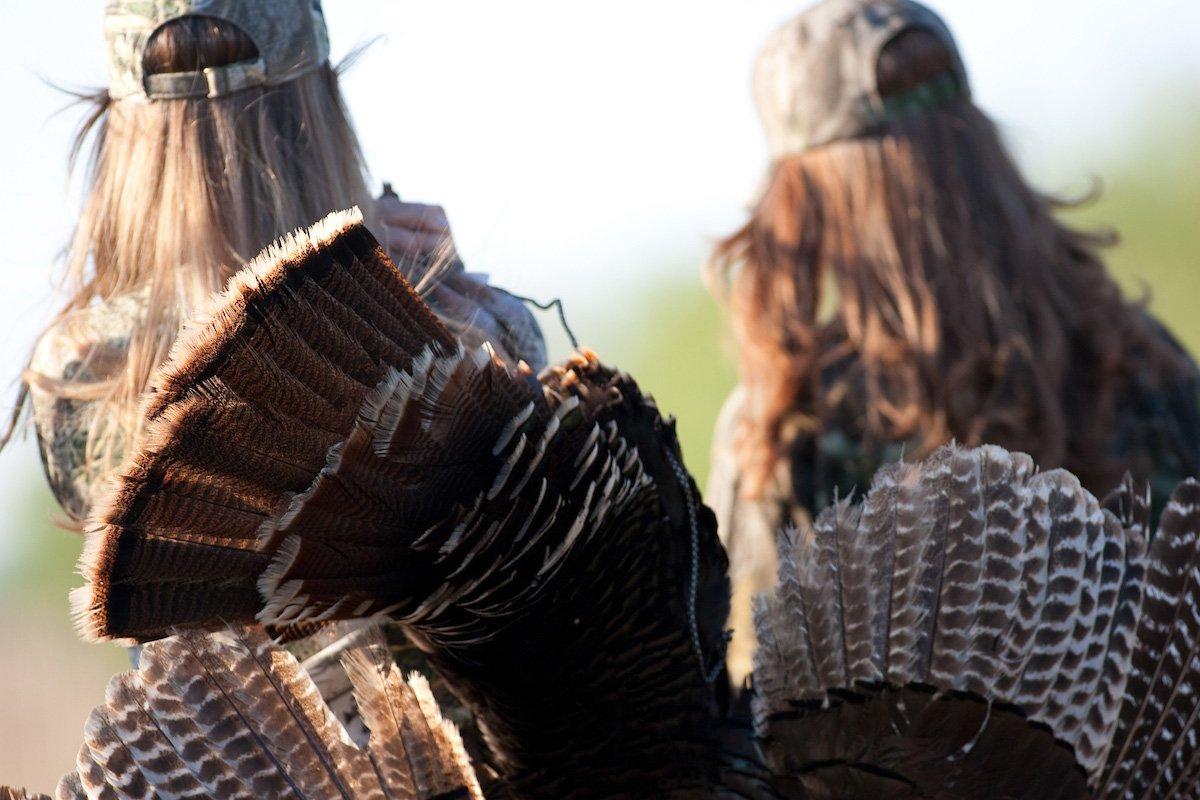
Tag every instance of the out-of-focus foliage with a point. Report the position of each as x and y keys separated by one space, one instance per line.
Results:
x=674 y=341
x=1153 y=202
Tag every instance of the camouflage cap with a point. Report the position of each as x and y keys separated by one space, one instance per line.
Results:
x=290 y=36
x=815 y=79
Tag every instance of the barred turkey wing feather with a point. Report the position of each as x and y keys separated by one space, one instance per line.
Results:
x=1002 y=478
x=1013 y=598
x=826 y=599
x=1066 y=618
x=416 y=753
x=241 y=676
x=1131 y=505
x=961 y=589
x=70 y=788
x=922 y=518
x=785 y=666
x=1154 y=751
x=9 y=793
x=1015 y=646
x=1098 y=690
x=868 y=566
x=231 y=715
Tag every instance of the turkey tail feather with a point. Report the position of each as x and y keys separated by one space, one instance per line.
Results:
x=9 y=793
x=244 y=414
x=412 y=747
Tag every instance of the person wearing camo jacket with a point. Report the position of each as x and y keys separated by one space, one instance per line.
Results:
x=900 y=285
x=221 y=129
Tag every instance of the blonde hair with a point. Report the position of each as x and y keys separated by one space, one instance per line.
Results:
x=964 y=309
x=180 y=193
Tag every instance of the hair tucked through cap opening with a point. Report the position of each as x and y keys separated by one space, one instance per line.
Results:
x=910 y=285
x=179 y=194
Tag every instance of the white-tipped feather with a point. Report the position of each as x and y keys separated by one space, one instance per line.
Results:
x=279 y=256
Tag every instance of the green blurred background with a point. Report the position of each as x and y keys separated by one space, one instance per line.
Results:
x=671 y=337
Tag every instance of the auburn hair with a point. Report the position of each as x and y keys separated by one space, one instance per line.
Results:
x=910 y=286
x=180 y=193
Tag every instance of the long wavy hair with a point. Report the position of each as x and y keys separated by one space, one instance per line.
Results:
x=180 y=193
x=910 y=286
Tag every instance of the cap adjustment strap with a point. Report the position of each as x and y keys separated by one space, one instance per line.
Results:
x=209 y=82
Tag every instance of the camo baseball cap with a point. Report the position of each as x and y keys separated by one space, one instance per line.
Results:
x=290 y=35
x=815 y=79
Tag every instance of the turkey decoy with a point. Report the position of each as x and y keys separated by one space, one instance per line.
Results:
x=319 y=448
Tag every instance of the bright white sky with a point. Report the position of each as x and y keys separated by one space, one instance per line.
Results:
x=577 y=145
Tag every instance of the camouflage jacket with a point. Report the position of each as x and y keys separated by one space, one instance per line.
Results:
x=1156 y=431
x=85 y=347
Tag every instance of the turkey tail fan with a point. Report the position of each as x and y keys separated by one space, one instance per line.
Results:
x=321 y=449
x=230 y=715
x=244 y=413
x=965 y=631
x=1155 y=753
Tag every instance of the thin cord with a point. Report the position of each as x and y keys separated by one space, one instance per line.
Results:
x=557 y=304
x=709 y=674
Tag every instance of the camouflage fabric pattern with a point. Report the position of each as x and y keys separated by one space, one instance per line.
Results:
x=1156 y=430
x=815 y=78
x=291 y=37
x=83 y=348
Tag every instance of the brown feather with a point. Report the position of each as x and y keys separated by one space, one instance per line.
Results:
x=9 y=793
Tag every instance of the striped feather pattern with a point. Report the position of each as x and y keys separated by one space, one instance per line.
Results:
x=231 y=715
x=1155 y=754
x=914 y=637
x=244 y=413
x=9 y=793
x=430 y=759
